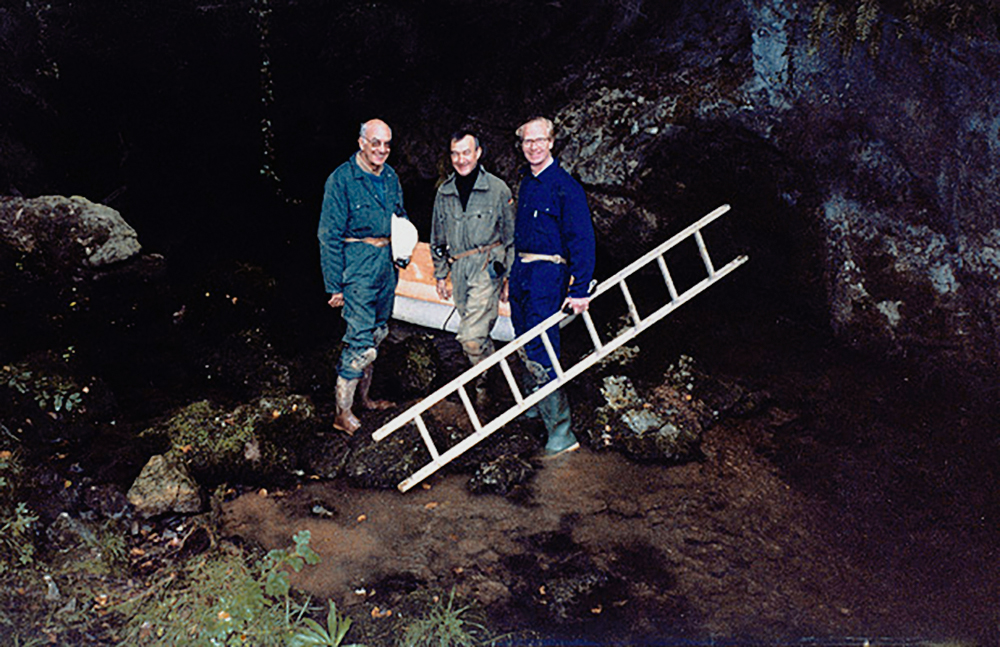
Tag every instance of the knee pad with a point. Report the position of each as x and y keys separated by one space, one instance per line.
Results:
x=472 y=347
x=539 y=374
x=364 y=359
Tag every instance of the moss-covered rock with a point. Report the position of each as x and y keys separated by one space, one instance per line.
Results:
x=252 y=440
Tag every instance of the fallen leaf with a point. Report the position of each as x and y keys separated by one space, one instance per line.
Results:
x=431 y=505
x=597 y=609
x=362 y=517
x=275 y=414
x=262 y=492
x=137 y=552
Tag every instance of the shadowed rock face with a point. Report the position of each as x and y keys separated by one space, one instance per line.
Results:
x=57 y=234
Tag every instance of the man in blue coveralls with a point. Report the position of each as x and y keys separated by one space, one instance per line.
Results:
x=553 y=267
x=359 y=199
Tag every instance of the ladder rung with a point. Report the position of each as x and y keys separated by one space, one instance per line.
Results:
x=469 y=409
x=511 y=382
x=553 y=357
x=671 y=288
x=592 y=330
x=426 y=435
x=631 y=304
x=704 y=253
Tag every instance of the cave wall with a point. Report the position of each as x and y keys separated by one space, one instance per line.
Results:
x=866 y=176
x=880 y=155
x=903 y=129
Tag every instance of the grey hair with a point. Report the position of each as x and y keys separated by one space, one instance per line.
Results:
x=551 y=127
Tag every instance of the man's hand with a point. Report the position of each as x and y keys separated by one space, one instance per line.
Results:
x=336 y=300
x=442 y=288
x=577 y=305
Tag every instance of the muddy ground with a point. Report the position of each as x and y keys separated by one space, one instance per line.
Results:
x=858 y=505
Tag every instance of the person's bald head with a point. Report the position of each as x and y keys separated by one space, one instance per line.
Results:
x=374 y=142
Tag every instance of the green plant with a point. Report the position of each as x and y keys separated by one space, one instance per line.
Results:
x=57 y=391
x=446 y=625
x=15 y=541
x=16 y=519
x=221 y=600
x=316 y=634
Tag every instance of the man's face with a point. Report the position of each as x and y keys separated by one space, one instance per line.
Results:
x=375 y=145
x=536 y=144
x=465 y=155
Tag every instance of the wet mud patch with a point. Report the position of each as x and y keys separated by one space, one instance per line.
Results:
x=633 y=552
x=843 y=504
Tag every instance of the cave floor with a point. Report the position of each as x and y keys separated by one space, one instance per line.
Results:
x=856 y=507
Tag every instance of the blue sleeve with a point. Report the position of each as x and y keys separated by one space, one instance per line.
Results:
x=577 y=233
x=332 y=225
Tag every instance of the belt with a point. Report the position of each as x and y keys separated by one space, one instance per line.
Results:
x=528 y=257
x=476 y=250
x=374 y=242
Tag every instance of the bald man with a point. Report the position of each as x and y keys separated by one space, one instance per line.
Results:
x=359 y=199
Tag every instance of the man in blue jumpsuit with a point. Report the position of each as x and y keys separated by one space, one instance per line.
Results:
x=359 y=199
x=553 y=266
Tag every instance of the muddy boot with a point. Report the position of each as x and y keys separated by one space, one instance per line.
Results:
x=364 y=384
x=345 y=420
x=555 y=413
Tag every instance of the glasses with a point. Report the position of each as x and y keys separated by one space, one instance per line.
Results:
x=538 y=141
x=377 y=144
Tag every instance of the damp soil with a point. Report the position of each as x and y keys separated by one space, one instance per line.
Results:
x=858 y=505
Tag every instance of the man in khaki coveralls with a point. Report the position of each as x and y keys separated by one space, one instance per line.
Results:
x=472 y=235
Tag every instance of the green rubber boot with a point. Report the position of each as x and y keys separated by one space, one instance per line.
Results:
x=555 y=413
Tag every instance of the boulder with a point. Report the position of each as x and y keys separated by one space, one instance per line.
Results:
x=165 y=486
x=58 y=234
x=665 y=428
x=501 y=476
x=252 y=441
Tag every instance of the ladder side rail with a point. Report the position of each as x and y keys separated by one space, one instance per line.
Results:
x=643 y=260
x=557 y=383
x=558 y=318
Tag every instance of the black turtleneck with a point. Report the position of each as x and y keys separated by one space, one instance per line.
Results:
x=464 y=184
